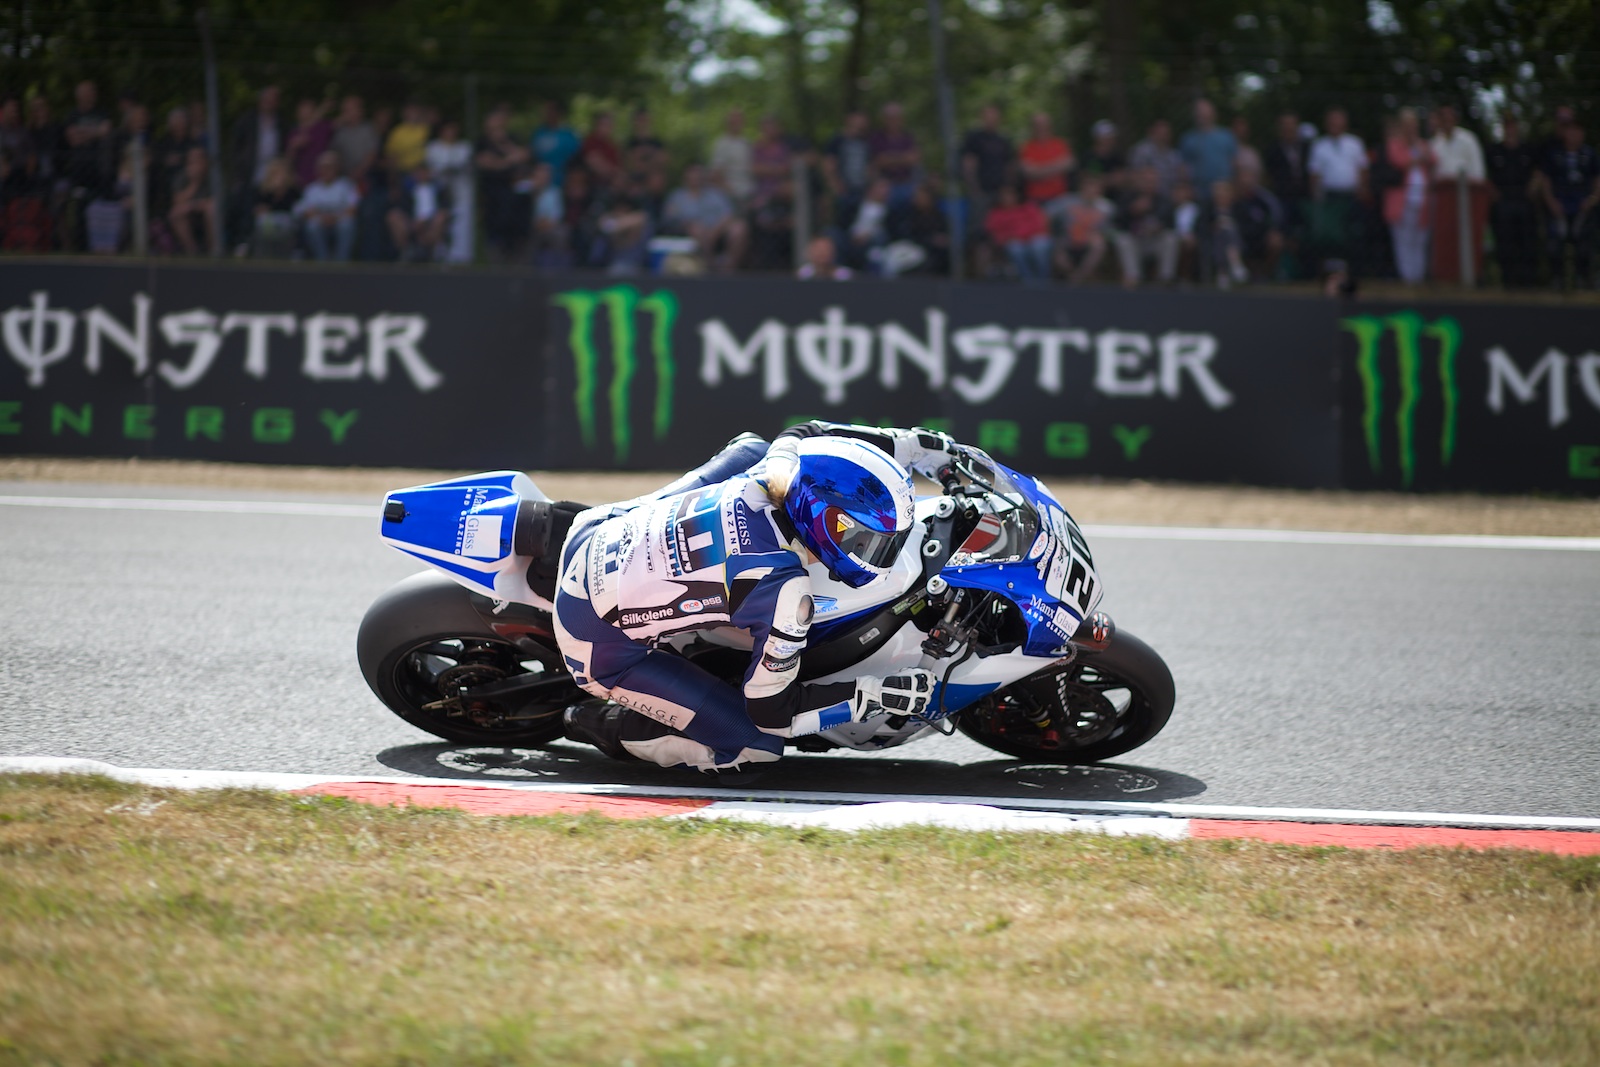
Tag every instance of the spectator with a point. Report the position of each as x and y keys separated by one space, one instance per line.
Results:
x=1285 y=165
x=1407 y=205
x=847 y=166
x=580 y=208
x=624 y=228
x=1142 y=230
x=821 y=262
x=730 y=157
x=273 y=233
x=772 y=202
x=257 y=139
x=1245 y=156
x=1023 y=231
x=192 y=206
x=498 y=158
x=327 y=211
x=1085 y=221
x=419 y=218
x=1156 y=152
x=647 y=159
x=1186 y=224
x=355 y=140
x=1223 y=246
x=1338 y=168
x=450 y=160
x=18 y=161
x=1208 y=150
x=406 y=147
x=869 y=230
x=554 y=142
x=106 y=216
x=88 y=141
x=1456 y=151
x=1572 y=194
x=701 y=211
x=1512 y=170
x=1259 y=218
x=312 y=135
x=1046 y=164
x=551 y=248
x=1105 y=158
x=49 y=139
x=895 y=156
x=198 y=127
x=988 y=161
x=922 y=225
x=600 y=155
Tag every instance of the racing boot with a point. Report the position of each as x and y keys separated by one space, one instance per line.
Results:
x=599 y=725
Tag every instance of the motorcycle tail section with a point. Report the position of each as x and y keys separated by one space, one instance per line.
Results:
x=480 y=530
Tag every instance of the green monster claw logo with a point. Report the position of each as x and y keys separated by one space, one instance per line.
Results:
x=1409 y=329
x=621 y=303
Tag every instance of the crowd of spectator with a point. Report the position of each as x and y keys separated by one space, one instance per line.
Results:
x=1213 y=206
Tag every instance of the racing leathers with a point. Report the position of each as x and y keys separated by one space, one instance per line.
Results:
x=638 y=572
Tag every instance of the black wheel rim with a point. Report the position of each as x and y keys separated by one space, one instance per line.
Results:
x=428 y=677
x=1075 y=707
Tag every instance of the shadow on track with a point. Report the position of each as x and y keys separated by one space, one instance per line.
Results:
x=993 y=778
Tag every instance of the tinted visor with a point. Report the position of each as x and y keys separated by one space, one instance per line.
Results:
x=869 y=546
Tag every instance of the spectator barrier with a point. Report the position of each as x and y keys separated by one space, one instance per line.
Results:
x=388 y=367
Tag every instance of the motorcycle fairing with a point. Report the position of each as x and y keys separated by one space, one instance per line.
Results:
x=1053 y=581
x=465 y=528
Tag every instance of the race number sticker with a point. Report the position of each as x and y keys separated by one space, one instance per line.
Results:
x=1066 y=567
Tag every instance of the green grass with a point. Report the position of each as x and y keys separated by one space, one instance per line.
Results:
x=142 y=926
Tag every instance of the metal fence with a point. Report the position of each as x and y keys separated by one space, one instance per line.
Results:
x=277 y=157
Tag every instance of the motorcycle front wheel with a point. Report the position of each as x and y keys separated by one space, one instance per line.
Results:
x=1099 y=705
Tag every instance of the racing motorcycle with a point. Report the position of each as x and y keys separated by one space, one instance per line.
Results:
x=995 y=591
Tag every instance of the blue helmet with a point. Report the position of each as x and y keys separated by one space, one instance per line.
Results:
x=852 y=506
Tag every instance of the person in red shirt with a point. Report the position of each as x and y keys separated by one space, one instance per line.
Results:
x=599 y=152
x=1046 y=163
x=1022 y=229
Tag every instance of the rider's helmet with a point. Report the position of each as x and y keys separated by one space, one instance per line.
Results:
x=852 y=506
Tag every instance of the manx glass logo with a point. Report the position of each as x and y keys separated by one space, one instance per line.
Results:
x=1425 y=356
x=631 y=320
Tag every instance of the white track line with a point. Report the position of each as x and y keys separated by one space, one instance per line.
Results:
x=1108 y=532
x=187 y=779
x=221 y=507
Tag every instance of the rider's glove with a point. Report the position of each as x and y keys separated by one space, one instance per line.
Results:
x=924 y=451
x=907 y=693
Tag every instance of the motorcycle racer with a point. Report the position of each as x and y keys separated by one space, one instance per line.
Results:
x=735 y=554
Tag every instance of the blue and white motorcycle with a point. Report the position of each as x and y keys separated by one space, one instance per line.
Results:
x=995 y=591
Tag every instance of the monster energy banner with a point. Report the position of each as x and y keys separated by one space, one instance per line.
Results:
x=1479 y=397
x=492 y=370
x=1159 y=385
x=296 y=365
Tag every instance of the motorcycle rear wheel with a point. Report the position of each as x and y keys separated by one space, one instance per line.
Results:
x=1098 y=706
x=422 y=642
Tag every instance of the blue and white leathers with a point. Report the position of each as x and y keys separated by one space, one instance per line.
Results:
x=639 y=573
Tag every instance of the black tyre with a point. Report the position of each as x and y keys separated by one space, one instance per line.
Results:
x=1100 y=705
x=423 y=641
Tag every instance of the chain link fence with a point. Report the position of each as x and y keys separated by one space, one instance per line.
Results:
x=302 y=141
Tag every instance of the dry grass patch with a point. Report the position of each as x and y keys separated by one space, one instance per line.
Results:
x=147 y=926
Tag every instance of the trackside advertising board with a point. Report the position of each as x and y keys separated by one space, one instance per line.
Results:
x=365 y=366
x=1066 y=381
x=1481 y=396
x=293 y=365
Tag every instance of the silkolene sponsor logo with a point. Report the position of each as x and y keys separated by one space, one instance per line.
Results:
x=639 y=618
x=695 y=606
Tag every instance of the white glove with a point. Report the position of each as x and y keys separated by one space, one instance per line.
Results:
x=906 y=693
x=924 y=451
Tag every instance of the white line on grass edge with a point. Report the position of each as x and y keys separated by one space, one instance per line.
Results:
x=1108 y=532
x=195 y=779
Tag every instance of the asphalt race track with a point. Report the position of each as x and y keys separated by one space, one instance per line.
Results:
x=1370 y=676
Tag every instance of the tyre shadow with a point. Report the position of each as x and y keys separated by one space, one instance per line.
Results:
x=581 y=765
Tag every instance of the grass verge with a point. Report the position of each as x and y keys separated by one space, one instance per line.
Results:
x=149 y=926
